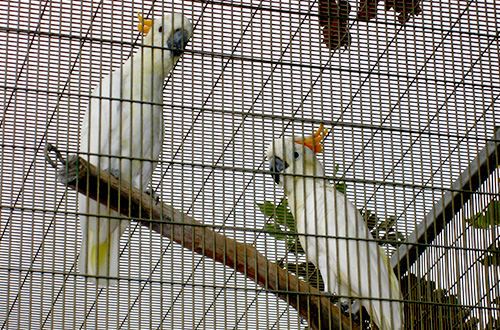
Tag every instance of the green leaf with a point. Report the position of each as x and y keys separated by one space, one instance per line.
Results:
x=267 y=208
x=370 y=218
x=341 y=187
x=280 y=214
x=275 y=231
x=385 y=231
x=387 y=224
x=284 y=216
x=394 y=237
x=492 y=256
x=294 y=246
x=308 y=272
x=336 y=169
x=489 y=217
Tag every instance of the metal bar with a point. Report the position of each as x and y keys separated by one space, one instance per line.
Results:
x=444 y=210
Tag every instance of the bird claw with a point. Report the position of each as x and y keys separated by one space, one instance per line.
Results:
x=345 y=308
x=48 y=148
x=153 y=194
x=114 y=172
x=355 y=318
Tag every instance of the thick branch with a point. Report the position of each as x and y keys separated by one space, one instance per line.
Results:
x=191 y=234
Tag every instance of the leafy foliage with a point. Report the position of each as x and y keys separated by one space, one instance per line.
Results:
x=493 y=323
x=339 y=186
x=282 y=226
x=492 y=256
x=308 y=272
x=428 y=307
x=489 y=217
x=383 y=230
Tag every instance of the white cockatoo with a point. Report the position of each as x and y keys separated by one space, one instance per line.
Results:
x=122 y=132
x=332 y=231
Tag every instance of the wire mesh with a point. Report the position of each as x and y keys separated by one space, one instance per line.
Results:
x=409 y=107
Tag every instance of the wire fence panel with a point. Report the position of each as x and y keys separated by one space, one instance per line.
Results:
x=386 y=218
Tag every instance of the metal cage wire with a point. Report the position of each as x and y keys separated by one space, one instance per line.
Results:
x=410 y=108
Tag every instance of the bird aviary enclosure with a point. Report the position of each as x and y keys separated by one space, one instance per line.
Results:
x=408 y=90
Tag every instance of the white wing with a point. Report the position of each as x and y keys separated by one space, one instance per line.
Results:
x=351 y=263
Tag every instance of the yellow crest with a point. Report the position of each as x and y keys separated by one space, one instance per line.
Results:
x=314 y=141
x=144 y=24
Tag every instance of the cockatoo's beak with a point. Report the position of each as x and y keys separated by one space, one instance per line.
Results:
x=178 y=41
x=277 y=166
x=144 y=24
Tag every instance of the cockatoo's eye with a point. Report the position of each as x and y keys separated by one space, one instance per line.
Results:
x=296 y=154
x=160 y=28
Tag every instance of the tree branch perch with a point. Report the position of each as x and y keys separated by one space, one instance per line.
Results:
x=318 y=310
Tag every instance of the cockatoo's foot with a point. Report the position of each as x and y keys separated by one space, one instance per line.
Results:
x=355 y=318
x=114 y=172
x=153 y=194
x=345 y=305
x=333 y=297
x=345 y=308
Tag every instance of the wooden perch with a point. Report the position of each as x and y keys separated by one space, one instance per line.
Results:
x=85 y=178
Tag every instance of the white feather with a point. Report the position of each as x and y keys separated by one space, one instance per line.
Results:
x=349 y=260
x=124 y=119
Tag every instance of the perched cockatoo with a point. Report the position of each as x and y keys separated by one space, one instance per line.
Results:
x=350 y=262
x=122 y=132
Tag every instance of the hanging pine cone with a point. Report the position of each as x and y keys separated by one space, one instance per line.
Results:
x=367 y=10
x=330 y=9
x=405 y=8
x=336 y=34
